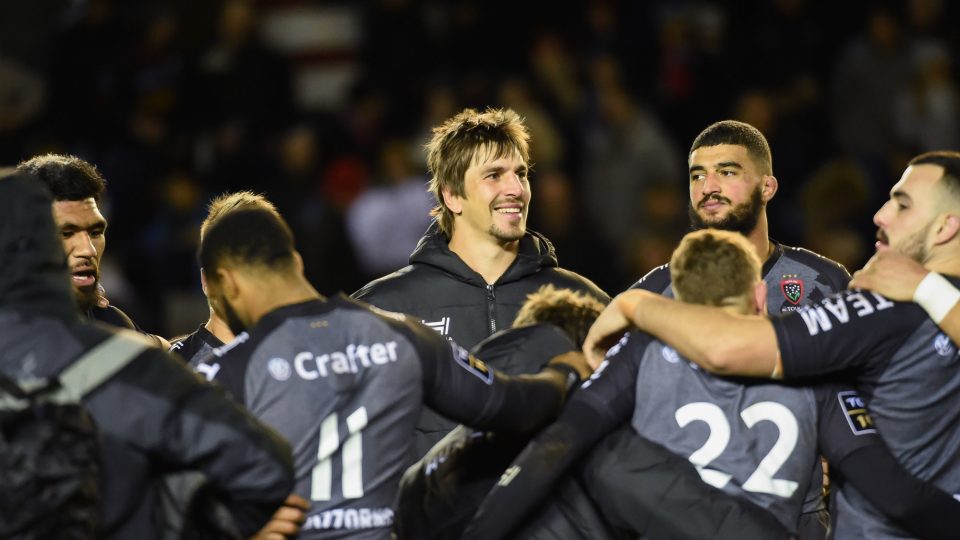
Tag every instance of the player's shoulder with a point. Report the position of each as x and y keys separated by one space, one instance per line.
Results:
x=820 y=264
x=656 y=280
x=568 y=279
x=405 y=281
x=508 y=350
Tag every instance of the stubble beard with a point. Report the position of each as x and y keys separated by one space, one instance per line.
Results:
x=914 y=246
x=230 y=317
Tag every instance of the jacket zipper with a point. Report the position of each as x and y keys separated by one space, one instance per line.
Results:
x=492 y=309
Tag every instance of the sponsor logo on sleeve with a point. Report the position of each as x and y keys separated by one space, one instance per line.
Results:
x=792 y=288
x=471 y=363
x=855 y=410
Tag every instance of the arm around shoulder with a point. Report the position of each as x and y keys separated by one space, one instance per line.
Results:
x=714 y=339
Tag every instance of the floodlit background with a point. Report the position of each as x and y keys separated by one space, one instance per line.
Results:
x=324 y=107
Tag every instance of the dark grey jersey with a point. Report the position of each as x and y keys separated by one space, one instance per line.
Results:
x=759 y=442
x=793 y=275
x=345 y=385
x=756 y=441
x=196 y=348
x=909 y=374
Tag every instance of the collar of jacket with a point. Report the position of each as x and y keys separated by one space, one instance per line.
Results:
x=536 y=252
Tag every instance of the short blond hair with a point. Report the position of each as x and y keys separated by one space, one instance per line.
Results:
x=228 y=202
x=714 y=268
x=574 y=312
x=458 y=142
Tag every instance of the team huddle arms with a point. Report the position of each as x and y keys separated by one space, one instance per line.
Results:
x=608 y=400
x=654 y=444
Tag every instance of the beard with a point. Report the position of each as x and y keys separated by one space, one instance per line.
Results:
x=510 y=234
x=742 y=218
x=232 y=319
x=506 y=236
x=913 y=246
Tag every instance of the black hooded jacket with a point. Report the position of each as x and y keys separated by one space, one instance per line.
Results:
x=155 y=417
x=447 y=295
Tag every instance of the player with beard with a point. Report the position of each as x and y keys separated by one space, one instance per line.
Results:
x=477 y=262
x=199 y=345
x=753 y=439
x=906 y=369
x=77 y=187
x=344 y=381
x=731 y=181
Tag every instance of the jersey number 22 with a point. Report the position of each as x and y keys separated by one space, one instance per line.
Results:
x=762 y=480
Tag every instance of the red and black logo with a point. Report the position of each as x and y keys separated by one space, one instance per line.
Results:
x=792 y=288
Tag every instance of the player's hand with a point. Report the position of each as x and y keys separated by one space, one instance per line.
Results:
x=101 y=297
x=286 y=521
x=609 y=327
x=891 y=274
x=576 y=360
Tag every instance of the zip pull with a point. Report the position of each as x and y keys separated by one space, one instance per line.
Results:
x=492 y=309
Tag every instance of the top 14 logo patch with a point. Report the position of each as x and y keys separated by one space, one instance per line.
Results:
x=792 y=288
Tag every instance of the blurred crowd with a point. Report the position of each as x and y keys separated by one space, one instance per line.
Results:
x=176 y=101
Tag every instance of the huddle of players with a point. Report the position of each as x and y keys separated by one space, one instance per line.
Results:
x=345 y=383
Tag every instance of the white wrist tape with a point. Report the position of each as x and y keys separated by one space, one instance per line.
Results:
x=936 y=296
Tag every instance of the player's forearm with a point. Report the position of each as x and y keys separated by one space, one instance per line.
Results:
x=531 y=477
x=716 y=340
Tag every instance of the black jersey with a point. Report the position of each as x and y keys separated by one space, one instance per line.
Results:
x=755 y=440
x=345 y=383
x=793 y=275
x=195 y=348
x=909 y=374
x=439 y=494
x=114 y=316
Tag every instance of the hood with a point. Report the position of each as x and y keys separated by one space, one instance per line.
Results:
x=536 y=252
x=33 y=267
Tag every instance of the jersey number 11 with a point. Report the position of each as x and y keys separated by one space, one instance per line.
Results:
x=352 y=457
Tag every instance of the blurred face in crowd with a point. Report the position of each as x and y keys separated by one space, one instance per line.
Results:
x=905 y=222
x=728 y=191
x=82 y=229
x=496 y=199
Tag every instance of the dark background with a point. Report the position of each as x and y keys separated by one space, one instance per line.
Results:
x=324 y=107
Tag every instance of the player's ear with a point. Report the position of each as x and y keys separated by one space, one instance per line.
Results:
x=451 y=200
x=228 y=283
x=203 y=282
x=297 y=262
x=760 y=297
x=948 y=228
x=769 y=188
